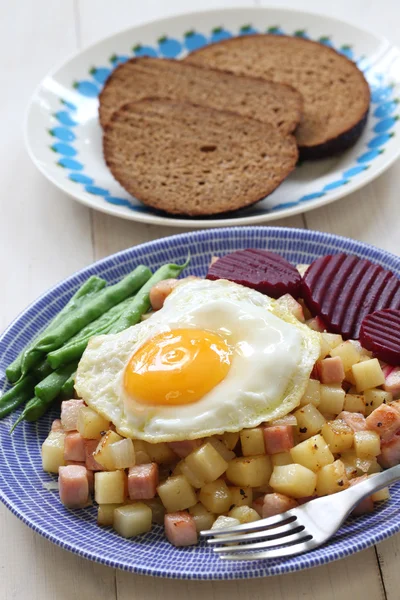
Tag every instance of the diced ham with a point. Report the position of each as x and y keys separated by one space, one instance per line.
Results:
x=366 y=505
x=356 y=421
x=385 y=420
x=278 y=438
x=182 y=449
x=392 y=380
x=91 y=463
x=74 y=447
x=143 y=481
x=180 y=529
x=330 y=370
x=90 y=474
x=56 y=425
x=160 y=291
x=69 y=414
x=390 y=453
x=275 y=504
x=395 y=404
x=73 y=485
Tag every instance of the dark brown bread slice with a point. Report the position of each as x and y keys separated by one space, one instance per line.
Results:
x=335 y=92
x=146 y=77
x=191 y=160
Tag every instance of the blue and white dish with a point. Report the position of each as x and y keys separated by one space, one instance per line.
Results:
x=24 y=485
x=64 y=137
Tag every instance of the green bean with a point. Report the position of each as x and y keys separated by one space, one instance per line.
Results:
x=68 y=388
x=29 y=356
x=16 y=396
x=49 y=388
x=42 y=370
x=107 y=298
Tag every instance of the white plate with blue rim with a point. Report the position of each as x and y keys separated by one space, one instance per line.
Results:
x=64 y=137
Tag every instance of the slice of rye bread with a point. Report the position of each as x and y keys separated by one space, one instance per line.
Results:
x=186 y=159
x=335 y=92
x=140 y=78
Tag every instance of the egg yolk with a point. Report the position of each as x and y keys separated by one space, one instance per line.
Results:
x=177 y=367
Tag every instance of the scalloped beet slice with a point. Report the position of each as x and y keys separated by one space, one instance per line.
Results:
x=380 y=333
x=261 y=270
x=343 y=289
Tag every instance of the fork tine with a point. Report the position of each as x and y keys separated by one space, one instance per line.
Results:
x=274 y=553
x=246 y=527
x=271 y=533
x=298 y=536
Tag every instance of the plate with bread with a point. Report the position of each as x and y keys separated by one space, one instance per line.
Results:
x=216 y=118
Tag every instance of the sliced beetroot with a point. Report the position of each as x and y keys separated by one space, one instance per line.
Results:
x=380 y=333
x=261 y=270
x=343 y=289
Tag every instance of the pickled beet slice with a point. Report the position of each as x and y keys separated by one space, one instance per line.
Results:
x=261 y=270
x=380 y=333
x=343 y=289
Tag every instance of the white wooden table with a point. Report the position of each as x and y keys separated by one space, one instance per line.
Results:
x=45 y=236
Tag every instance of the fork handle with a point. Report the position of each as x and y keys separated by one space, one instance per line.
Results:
x=373 y=484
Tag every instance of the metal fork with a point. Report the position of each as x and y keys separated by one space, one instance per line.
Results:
x=298 y=530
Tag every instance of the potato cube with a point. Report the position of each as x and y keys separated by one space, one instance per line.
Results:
x=381 y=495
x=53 y=451
x=122 y=454
x=224 y=522
x=203 y=518
x=105 y=514
x=90 y=424
x=374 y=398
x=221 y=448
x=196 y=480
x=282 y=458
x=159 y=453
x=102 y=454
x=230 y=439
x=324 y=348
x=348 y=353
x=368 y=374
x=313 y=453
x=142 y=457
x=331 y=479
x=132 y=519
x=176 y=493
x=367 y=443
x=244 y=514
x=252 y=441
x=332 y=339
x=332 y=399
x=216 y=496
x=206 y=462
x=312 y=393
x=157 y=509
x=338 y=435
x=295 y=481
x=309 y=421
x=110 y=487
x=354 y=403
x=249 y=471
x=288 y=303
x=241 y=496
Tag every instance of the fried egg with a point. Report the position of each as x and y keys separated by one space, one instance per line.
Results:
x=218 y=357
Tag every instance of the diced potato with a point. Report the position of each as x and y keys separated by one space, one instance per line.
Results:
x=348 y=353
x=105 y=514
x=159 y=453
x=309 y=421
x=368 y=374
x=176 y=493
x=206 y=463
x=338 y=435
x=324 y=348
x=367 y=443
x=194 y=478
x=332 y=399
x=102 y=454
x=354 y=403
x=349 y=377
x=221 y=448
x=132 y=519
x=216 y=496
x=252 y=441
x=251 y=471
x=288 y=303
x=110 y=487
x=295 y=481
x=381 y=495
x=142 y=457
x=53 y=451
x=244 y=514
x=230 y=439
x=332 y=339
x=374 y=466
x=224 y=522
x=90 y=424
x=241 y=496
x=312 y=393
x=203 y=518
x=157 y=509
x=331 y=479
x=374 y=398
x=282 y=458
x=123 y=454
x=313 y=453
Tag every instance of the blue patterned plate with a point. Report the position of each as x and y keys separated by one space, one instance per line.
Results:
x=63 y=134
x=22 y=481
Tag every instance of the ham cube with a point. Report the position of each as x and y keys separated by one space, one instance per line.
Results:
x=366 y=505
x=74 y=447
x=184 y=448
x=180 y=529
x=275 y=504
x=390 y=453
x=385 y=420
x=392 y=380
x=356 y=421
x=278 y=438
x=56 y=425
x=73 y=485
x=91 y=463
x=69 y=414
x=330 y=370
x=143 y=481
x=90 y=474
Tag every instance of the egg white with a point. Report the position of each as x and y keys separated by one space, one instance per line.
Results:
x=273 y=355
